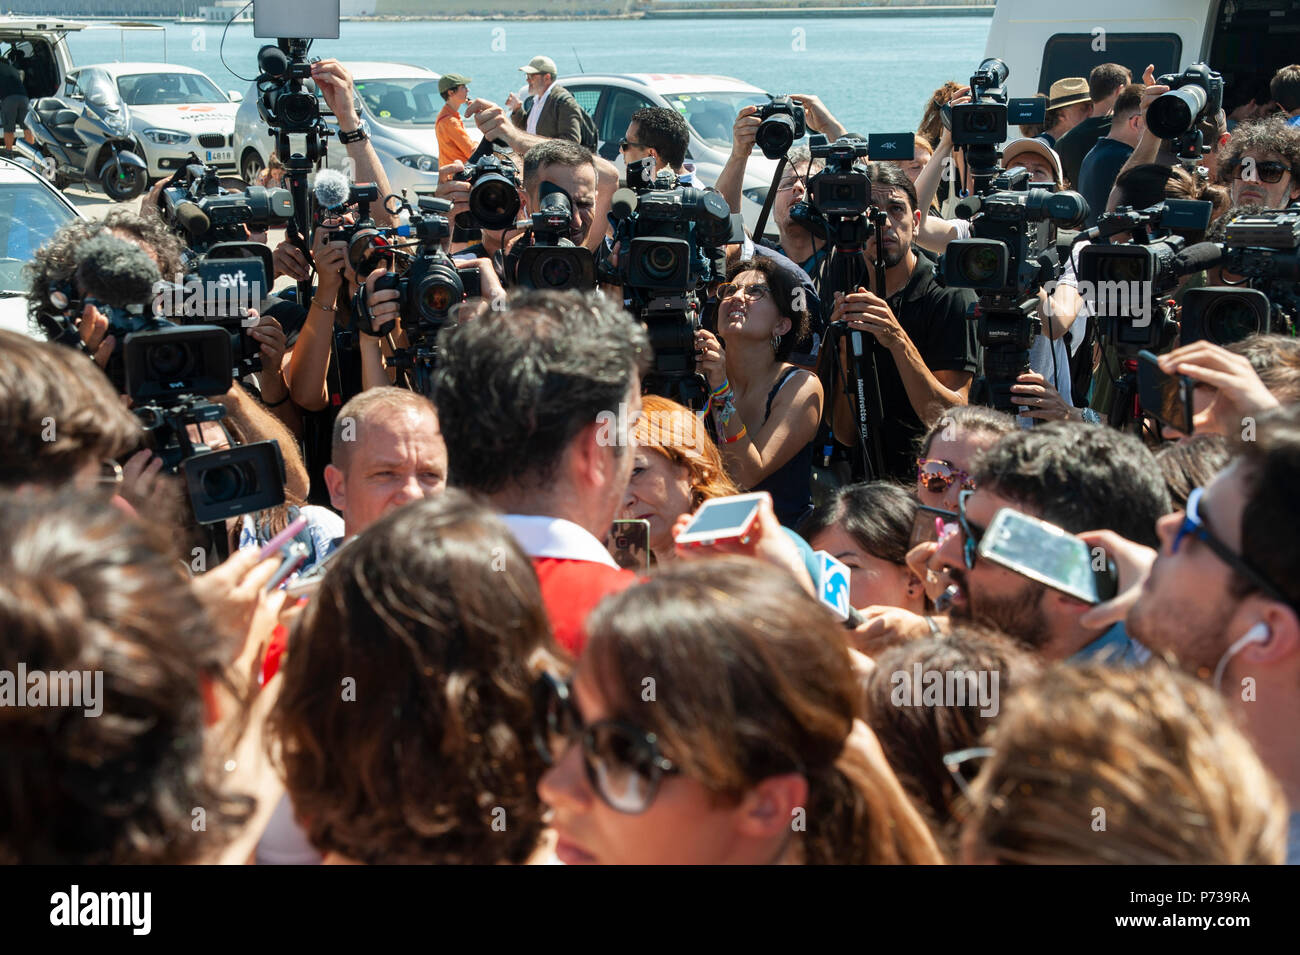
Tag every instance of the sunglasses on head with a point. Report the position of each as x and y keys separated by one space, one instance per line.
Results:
x=937 y=476
x=1269 y=171
x=622 y=761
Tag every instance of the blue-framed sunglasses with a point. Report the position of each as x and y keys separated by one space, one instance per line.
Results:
x=971 y=532
x=1194 y=525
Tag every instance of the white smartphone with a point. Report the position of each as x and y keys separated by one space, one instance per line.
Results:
x=722 y=518
x=1049 y=555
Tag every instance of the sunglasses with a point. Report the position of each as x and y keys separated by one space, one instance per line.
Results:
x=931 y=524
x=1269 y=171
x=953 y=763
x=937 y=476
x=622 y=761
x=756 y=292
x=625 y=144
x=972 y=533
x=1194 y=526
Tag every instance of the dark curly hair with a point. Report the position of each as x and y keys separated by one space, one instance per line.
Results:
x=405 y=722
x=85 y=588
x=1263 y=135
x=56 y=261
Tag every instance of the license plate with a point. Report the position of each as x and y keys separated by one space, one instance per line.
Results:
x=221 y=155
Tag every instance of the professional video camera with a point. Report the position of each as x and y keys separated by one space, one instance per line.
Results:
x=286 y=93
x=781 y=122
x=198 y=208
x=1194 y=95
x=1011 y=256
x=980 y=126
x=1262 y=248
x=168 y=371
x=493 y=191
x=1124 y=284
x=549 y=260
x=671 y=242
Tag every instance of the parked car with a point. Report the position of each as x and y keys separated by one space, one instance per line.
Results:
x=709 y=105
x=31 y=211
x=174 y=111
x=401 y=104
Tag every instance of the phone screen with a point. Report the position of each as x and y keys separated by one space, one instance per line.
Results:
x=1167 y=398
x=721 y=515
x=1041 y=552
x=629 y=545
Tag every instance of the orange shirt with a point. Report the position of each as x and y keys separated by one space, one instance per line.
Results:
x=454 y=144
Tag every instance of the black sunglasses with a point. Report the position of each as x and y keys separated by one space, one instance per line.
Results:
x=624 y=144
x=972 y=533
x=1269 y=171
x=622 y=761
x=1194 y=525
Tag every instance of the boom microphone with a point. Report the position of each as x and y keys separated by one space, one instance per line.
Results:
x=331 y=188
x=1198 y=257
x=115 y=272
x=193 y=220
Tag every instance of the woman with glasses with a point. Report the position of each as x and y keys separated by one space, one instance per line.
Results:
x=1106 y=765
x=765 y=410
x=676 y=468
x=405 y=721
x=869 y=528
x=711 y=720
x=949 y=449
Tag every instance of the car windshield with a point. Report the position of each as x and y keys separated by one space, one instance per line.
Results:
x=99 y=90
x=168 y=89
x=408 y=101
x=29 y=216
x=712 y=115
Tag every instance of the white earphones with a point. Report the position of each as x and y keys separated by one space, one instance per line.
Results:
x=1260 y=633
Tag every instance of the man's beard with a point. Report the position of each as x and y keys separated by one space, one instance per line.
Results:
x=1195 y=640
x=1019 y=616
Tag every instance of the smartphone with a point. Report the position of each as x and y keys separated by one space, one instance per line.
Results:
x=282 y=538
x=1049 y=555
x=294 y=556
x=722 y=518
x=929 y=523
x=629 y=545
x=306 y=583
x=1167 y=398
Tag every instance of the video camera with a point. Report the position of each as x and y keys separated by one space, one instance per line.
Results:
x=1010 y=256
x=198 y=208
x=1263 y=248
x=550 y=261
x=1194 y=95
x=781 y=122
x=980 y=126
x=286 y=93
x=671 y=242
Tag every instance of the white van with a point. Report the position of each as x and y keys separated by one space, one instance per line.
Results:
x=1041 y=42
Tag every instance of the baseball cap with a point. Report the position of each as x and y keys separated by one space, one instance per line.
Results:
x=1067 y=92
x=450 y=81
x=1037 y=146
x=540 y=64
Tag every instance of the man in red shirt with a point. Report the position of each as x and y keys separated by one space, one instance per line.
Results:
x=537 y=403
x=454 y=144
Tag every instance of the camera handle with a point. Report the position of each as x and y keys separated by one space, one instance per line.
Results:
x=767 y=202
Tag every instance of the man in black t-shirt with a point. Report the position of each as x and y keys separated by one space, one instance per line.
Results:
x=1107 y=158
x=928 y=353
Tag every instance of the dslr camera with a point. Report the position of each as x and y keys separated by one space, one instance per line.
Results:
x=1194 y=95
x=781 y=122
x=493 y=191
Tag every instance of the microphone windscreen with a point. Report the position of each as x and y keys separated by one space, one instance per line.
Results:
x=193 y=220
x=1198 y=257
x=116 y=272
x=623 y=204
x=967 y=208
x=331 y=188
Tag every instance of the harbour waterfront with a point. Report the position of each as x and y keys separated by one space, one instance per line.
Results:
x=875 y=73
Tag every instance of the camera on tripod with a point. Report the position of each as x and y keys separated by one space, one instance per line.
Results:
x=841 y=188
x=781 y=122
x=493 y=192
x=551 y=261
x=1194 y=95
x=286 y=93
x=1263 y=249
x=984 y=120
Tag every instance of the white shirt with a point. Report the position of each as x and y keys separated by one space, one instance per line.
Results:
x=536 y=112
x=554 y=537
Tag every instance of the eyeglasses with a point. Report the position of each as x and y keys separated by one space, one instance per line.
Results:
x=931 y=524
x=625 y=144
x=755 y=292
x=952 y=762
x=622 y=761
x=1195 y=526
x=937 y=476
x=972 y=533
x=110 y=474
x=1268 y=171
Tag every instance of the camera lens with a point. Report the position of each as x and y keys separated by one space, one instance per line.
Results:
x=494 y=202
x=169 y=362
x=979 y=121
x=228 y=482
x=659 y=262
x=1175 y=112
x=1122 y=268
x=554 y=271
x=1231 y=320
x=297 y=109
x=980 y=265
x=775 y=136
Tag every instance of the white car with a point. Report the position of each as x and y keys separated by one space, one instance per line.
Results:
x=174 y=111
x=32 y=210
x=398 y=101
x=709 y=105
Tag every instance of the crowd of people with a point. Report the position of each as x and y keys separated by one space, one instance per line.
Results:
x=468 y=675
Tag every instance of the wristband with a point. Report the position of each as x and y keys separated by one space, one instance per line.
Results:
x=736 y=437
x=725 y=386
x=323 y=307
